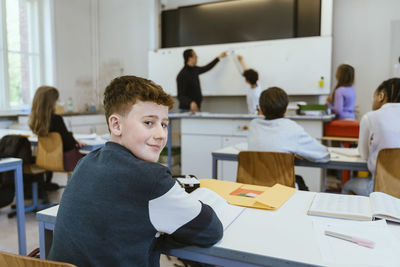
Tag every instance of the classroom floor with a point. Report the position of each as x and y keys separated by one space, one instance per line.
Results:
x=8 y=232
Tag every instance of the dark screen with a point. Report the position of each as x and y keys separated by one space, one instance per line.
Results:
x=240 y=21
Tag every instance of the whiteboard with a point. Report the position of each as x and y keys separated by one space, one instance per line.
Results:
x=296 y=65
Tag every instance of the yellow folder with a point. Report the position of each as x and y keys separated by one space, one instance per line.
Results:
x=271 y=197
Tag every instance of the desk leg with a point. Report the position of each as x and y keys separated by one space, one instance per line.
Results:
x=19 y=192
x=169 y=144
x=324 y=179
x=214 y=168
x=45 y=240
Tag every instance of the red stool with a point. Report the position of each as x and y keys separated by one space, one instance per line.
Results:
x=345 y=131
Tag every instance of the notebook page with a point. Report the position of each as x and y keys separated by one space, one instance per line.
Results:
x=338 y=252
x=341 y=206
x=226 y=212
x=385 y=206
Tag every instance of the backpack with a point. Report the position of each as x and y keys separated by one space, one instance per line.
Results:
x=15 y=146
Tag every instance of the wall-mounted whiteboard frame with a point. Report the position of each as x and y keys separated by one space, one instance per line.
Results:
x=296 y=65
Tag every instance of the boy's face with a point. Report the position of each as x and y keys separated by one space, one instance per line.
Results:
x=143 y=130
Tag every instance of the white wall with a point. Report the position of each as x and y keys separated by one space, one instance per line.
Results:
x=361 y=37
x=96 y=41
x=73 y=49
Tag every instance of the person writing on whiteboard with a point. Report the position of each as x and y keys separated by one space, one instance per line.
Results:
x=189 y=90
x=253 y=94
x=343 y=98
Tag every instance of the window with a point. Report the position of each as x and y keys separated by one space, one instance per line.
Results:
x=20 y=52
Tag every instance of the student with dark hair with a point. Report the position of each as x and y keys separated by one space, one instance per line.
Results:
x=121 y=205
x=189 y=90
x=379 y=129
x=343 y=98
x=253 y=94
x=277 y=134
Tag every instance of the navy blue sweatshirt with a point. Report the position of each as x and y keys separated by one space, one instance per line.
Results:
x=115 y=206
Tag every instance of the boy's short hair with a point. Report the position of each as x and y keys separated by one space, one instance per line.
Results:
x=123 y=92
x=251 y=76
x=273 y=103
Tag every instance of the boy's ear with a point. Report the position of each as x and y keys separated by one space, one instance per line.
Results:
x=114 y=122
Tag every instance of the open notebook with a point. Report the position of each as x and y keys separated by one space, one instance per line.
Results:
x=377 y=205
x=226 y=212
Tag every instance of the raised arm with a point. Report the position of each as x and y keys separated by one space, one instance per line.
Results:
x=211 y=64
x=241 y=61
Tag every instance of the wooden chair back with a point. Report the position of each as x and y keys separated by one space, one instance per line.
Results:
x=14 y=260
x=49 y=154
x=387 y=172
x=265 y=168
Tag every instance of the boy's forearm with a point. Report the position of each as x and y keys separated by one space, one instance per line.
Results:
x=205 y=230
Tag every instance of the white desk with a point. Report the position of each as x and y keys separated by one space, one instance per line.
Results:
x=15 y=164
x=337 y=161
x=284 y=237
x=92 y=141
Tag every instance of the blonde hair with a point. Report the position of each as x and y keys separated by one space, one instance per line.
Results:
x=43 y=106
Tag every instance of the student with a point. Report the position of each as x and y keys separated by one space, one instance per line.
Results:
x=189 y=90
x=253 y=94
x=119 y=199
x=343 y=98
x=43 y=120
x=379 y=129
x=278 y=134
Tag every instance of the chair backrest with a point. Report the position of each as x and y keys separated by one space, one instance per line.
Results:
x=49 y=154
x=387 y=172
x=265 y=168
x=12 y=260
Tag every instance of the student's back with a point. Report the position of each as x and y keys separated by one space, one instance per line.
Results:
x=278 y=134
x=285 y=135
x=379 y=129
x=343 y=99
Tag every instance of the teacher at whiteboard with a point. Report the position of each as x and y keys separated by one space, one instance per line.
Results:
x=189 y=90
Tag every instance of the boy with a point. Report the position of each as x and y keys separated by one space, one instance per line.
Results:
x=277 y=134
x=253 y=94
x=119 y=199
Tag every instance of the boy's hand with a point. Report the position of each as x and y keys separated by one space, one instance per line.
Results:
x=194 y=107
x=240 y=58
x=223 y=54
x=80 y=144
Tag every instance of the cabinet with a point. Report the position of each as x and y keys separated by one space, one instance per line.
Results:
x=199 y=137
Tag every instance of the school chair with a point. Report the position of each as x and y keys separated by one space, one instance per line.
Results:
x=14 y=260
x=20 y=147
x=387 y=172
x=265 y=168
x=50 y=155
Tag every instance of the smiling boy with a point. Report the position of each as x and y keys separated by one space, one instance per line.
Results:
x=119 y=199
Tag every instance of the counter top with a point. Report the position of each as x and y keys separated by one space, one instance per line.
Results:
x=207 y=115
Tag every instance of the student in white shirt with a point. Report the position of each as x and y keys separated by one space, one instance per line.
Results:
x=379 y=129
x=253 y=94
x=278 y=134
